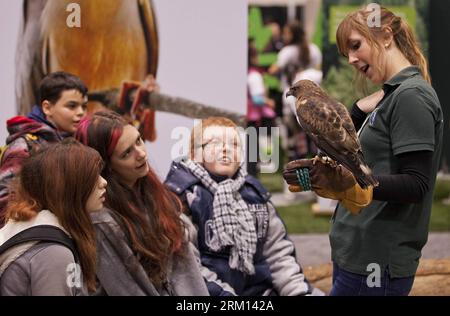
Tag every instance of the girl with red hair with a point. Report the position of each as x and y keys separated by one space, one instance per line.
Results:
x=48 y=223
x=140 y=237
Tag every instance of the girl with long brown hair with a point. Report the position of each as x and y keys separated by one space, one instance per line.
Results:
x=141 y=242
x=400 y=129
x=58 y=187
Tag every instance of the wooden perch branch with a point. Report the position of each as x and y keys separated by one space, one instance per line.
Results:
x=165 y=103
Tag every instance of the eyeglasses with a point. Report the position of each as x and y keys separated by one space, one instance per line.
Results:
x=219 y=143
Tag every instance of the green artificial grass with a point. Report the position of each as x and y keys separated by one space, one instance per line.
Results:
x=273 y=182
x=299 y=218
x=440 y=218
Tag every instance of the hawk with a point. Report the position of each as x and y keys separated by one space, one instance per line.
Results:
x=328 y=124
x=116 y=41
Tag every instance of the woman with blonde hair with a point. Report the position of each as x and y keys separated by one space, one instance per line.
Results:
x=402 y=143
x=400 y=128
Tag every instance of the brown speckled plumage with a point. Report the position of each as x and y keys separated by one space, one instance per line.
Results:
x=330 y=126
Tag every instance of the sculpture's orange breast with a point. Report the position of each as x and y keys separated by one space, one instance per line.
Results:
x=108 y=48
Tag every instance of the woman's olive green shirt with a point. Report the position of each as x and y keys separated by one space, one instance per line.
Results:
x=392 y=235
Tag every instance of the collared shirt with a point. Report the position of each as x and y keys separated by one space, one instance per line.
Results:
x=409 y=118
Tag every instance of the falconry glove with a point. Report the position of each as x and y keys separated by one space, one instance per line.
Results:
x=328 y=180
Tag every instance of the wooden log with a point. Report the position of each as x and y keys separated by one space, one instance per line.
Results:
x=165 y=103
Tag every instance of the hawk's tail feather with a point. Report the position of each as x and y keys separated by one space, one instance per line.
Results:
x=366 y=180
x=364 y=175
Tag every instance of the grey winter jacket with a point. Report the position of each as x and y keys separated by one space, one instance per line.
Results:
x=120 y=274
x=37 y=269
x=40 y=271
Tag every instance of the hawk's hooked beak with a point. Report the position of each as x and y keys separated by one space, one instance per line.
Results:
x=290 y=93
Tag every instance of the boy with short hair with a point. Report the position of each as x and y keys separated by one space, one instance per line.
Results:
x=242 y=242
x=63 y=101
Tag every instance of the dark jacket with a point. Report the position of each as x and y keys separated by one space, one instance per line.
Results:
x=25 y=133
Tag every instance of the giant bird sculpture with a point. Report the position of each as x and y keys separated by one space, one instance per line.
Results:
x=329 y=125
x=116 y=41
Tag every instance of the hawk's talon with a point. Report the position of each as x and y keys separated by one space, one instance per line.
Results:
x=328 y=161
x=316 y=159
